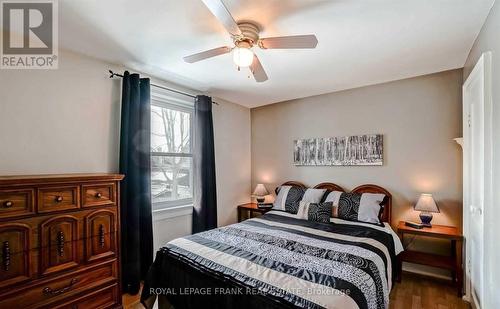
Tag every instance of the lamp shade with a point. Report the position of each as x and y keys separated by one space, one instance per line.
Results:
x=260 y=190
x=426 y=203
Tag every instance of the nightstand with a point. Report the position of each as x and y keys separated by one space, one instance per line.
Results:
x=453 y=262
x=249 y=209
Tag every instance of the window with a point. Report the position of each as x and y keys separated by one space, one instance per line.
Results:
x=171 y=152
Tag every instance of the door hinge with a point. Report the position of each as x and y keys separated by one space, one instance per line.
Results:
x=469 y=120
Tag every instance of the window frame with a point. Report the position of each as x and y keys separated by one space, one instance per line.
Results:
x=163 y=100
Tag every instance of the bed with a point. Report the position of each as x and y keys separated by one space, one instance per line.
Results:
x=279 y=261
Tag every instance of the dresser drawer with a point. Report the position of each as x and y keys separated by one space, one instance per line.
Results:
x=59 y=244
x=52 y=199
x=16 y=202
x=14 y=254
x=45 y=294
x=107 y=297
x=100 y=234
x=98 y=195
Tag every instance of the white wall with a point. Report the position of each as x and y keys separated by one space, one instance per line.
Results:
x=67 y=121
x=233 y=158
x=59 y=121
x=489 y=40
x=168 y=225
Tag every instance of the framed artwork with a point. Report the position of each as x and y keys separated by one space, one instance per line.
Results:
x=339 y=151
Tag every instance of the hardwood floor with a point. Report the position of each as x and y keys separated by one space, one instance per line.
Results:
x=132 y=301
x=414 y=292
x=419 y=292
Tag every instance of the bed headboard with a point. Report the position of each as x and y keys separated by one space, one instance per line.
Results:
x=330 y=186
x=385 y=216
x=291 y=183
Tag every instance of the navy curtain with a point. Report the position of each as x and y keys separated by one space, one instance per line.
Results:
x=205 y=198
x=135 y=196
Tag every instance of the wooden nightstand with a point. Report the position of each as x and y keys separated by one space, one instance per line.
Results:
x=452 y=262
x=249 y=209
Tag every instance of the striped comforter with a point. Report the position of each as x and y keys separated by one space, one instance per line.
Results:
x=276 y=261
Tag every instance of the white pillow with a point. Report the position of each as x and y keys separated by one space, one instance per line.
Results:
x=313 y=195
x=334 y=197
x=369 y=207
x=303 y=210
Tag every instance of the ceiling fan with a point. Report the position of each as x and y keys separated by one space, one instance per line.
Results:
x=245 y=36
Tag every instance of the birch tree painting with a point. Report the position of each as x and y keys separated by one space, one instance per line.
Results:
x=343 y=150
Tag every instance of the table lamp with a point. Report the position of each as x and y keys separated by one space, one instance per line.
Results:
x=260 y=192
x=426 y=205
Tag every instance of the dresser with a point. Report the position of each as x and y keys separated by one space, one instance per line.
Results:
x=60 y=241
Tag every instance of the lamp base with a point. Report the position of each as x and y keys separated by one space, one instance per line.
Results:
x=426 y=218
x=260 y=200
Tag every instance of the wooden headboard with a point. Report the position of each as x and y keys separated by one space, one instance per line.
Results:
x=330 y=186
x=291 y=183
x=385 y=215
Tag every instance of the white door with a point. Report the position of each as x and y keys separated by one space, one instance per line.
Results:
x=474 y=143
x=477 y=182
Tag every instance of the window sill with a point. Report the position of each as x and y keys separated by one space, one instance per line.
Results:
x=172 y=212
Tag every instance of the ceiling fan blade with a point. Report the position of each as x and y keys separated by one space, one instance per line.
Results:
x=257 y=70
x=294 y=41
x=220 y=11
x=207 y=54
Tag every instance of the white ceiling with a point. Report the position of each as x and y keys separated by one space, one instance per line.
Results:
x=361 y=42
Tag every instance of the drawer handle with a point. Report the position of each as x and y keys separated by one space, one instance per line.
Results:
x=101 y=235
x=48 y=291
x=59 y=199
x=6 y=255
x=98 y=195
x=60 y=243
x=8 y=204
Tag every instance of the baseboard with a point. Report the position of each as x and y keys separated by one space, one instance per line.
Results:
x=466 y=299
x=473 y=305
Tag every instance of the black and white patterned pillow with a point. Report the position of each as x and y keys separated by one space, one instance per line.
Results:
x=288 y=198
x=319 y=212
x=349 y=206
x=363 y=207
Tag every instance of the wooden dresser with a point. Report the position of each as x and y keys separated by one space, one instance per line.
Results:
x=60 y=241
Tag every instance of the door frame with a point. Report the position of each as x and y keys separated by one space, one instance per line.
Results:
x=482 y=70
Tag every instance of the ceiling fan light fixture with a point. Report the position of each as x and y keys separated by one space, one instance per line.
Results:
x=246 y=35
x=242 y=56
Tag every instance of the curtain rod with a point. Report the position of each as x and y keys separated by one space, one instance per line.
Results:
x=113 y=74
